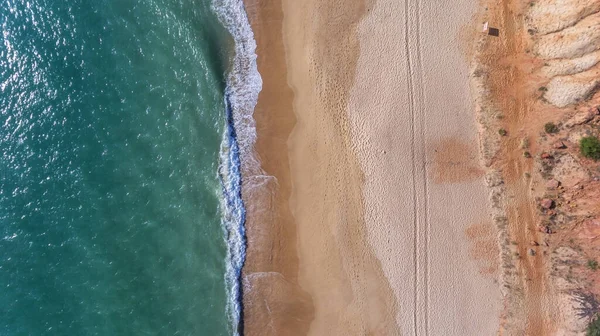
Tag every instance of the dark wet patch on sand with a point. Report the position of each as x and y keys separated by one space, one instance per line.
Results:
x=454 y=161
x=483 y=247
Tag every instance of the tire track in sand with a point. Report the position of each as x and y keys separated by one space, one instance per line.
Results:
x=412 y=22
x=424 y=172
x=425 y=219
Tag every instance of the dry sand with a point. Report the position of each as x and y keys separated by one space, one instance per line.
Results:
x=416 y=136
x=378 y=221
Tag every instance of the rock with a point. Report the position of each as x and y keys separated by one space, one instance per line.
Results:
x=493 y=179
x=569 y=171
x=574 y=137
x=590 y=229
x=531 y=252
x=546 y=156
x=552 y=184
x=580 y=118
x=560 y=145
x=567 y=90
x=551 y=16
x=561 y=67
x=547 y=203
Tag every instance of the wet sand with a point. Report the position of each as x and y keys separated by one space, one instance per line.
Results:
x=274 y=303
x=364 y=225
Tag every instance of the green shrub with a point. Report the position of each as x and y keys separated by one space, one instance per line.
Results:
x=592 y=264
x=550 y=127
x=502 y=132
x=593 y=328
x=590 y=147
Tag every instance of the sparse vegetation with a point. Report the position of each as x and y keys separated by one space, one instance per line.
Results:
x=524 y=143
x=543 y=88
x=502 y=132
x=587 y=308
x=550 y=128
x=592 y=264
x=593 y=328
x=527 y=154
x=590 y=147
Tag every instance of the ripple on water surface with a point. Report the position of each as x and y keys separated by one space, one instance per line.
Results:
x=112 y=118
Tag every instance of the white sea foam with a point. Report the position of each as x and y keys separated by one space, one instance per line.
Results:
x=237 y=154
x=244 y=82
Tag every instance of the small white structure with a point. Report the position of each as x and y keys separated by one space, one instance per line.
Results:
x=489 y=30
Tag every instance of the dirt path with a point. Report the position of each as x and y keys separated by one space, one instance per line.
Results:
x=513 y=93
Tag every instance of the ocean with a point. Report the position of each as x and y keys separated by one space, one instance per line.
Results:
x=126 y=126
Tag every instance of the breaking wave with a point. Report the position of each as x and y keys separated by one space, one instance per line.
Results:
x=243 y=84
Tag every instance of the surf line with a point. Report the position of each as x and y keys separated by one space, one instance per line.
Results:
x=233 y=221
x=243 y=84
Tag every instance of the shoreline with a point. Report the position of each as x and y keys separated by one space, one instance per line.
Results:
x=336 y=243
x=274 y=303
x=311 y=283
x=236 y=156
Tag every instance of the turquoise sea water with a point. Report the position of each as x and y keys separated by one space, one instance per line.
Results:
x=111 y=212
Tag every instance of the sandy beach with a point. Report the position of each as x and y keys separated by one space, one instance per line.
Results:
x=375 y=219
x=415 y=132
